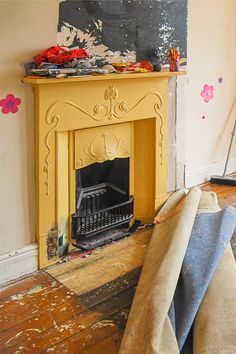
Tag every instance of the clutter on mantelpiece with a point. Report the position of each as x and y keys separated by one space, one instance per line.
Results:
x=62 y=62
x=174 y=59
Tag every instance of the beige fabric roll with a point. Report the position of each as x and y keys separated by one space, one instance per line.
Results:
x=148 y=329
x=215 y=324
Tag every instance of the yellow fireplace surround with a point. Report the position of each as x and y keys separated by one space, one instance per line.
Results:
x=79 y=121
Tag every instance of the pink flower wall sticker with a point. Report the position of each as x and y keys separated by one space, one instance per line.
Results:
x=10 y=104
x=207 y=93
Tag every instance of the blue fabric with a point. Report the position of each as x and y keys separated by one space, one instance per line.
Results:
x=210 y=235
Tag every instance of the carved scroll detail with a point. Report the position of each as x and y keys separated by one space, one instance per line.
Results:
x=104 y=146
x=101 y=112
x=157 y=108
x=111 y=110
x=52 y=122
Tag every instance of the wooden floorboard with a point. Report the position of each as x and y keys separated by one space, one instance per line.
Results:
x=108 y=345
x=97 y=334
x=80 y=306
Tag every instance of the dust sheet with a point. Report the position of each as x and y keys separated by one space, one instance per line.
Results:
x=185 y=301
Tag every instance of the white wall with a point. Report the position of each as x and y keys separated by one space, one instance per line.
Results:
x=211 y=54
x=27 y=27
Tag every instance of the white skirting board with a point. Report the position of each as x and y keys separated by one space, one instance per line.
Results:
x=202 y=175
x=17 y=263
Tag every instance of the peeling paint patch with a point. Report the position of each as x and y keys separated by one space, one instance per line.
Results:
x=35 y=289
x=17 y=297
x=63 y=328
x=63 y=309
x=98 y=25
x=21 y=332
x=55 y=324
x=52 y=243
x=103 y=323
x=99 y=51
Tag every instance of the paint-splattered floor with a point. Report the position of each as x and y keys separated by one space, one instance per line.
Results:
x=40 y=315
x=80 y=306
x=86 y=314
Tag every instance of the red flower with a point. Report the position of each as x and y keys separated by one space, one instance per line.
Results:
x=10 y=104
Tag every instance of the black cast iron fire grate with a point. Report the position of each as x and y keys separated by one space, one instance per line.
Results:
x=101 y=208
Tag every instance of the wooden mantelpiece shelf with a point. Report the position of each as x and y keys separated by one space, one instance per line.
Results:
x=71 y=117
x=166 y=74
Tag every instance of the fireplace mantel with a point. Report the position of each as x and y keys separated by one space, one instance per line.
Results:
x=66 y=107
x=137 y=76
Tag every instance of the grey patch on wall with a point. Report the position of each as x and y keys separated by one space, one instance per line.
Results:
x=119 y=29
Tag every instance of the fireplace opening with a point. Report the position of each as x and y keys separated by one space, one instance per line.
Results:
x=103 y=200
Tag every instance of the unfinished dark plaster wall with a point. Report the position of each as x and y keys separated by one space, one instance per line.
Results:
x=125 y=28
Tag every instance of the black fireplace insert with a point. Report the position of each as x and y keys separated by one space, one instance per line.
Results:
x=102 y=199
